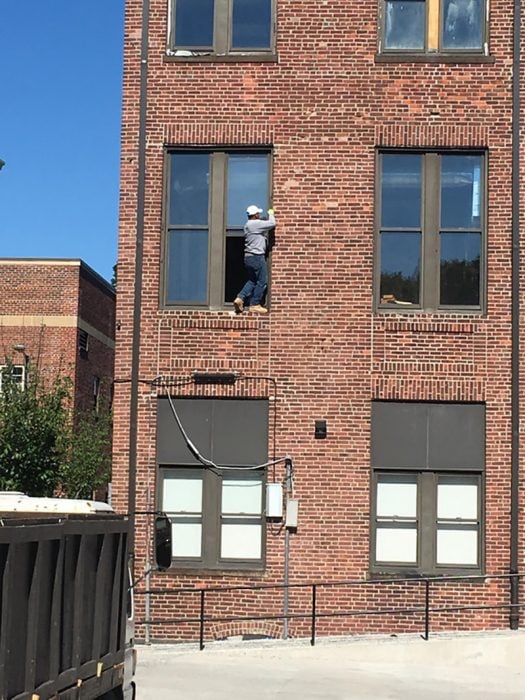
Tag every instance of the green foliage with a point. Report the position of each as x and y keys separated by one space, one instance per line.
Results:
x=34 y=427
x=89 y=463
x=44 y=449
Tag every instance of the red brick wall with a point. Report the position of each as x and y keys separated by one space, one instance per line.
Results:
x=324 y=108
x=35 y=291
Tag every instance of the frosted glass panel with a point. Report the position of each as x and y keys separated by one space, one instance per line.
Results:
x=396 y=499
x=241 y=541
x=186 y=539
x=457 y=501
x=457 y=547
x=182 y=495
x=242 y=496
x=396 y=544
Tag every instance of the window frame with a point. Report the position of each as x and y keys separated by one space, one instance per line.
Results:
x=427 y=525
x=20 y=377
x=433 y=17
x=217 y=224
x=222 y=37
x=430 y=226
x=211 y=517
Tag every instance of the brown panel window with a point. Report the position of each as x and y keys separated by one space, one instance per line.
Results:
x=426 y=522
x=434 y=27
x=216 y=518
x=221 y=28
x=208 y=192
x=431 y=230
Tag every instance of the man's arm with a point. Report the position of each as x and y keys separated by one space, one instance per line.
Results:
x=265 y=225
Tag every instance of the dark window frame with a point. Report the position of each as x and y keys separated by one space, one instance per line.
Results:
x=430 y=231
x=211 y=517
x=427 y=525
x=18 y=374
x=217 y=225
x=222 y=37
x=440 y=52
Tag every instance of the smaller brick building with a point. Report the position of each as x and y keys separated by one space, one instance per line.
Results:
x=60 y=316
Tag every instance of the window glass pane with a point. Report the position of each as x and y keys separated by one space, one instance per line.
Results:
x=396 y=544
x=241 y=541
x=462 y=24
x=457 y=546
x=401 y=191
x=241 y=495
x=400 y=268
x=188 y=266
x=460 y=268
x=189 y=185
x=186 y=537
x=251 y=24
x=396 y=496
x=235 y=276
x=460 y=191
x=182 y=495
x=457 y=500
x=405 y=24
x=247 y=184
x=194 y=23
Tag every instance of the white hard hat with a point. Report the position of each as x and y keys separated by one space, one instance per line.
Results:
x=253 y=209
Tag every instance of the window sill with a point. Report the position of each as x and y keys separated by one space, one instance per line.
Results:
x=419 y=311
x=181 y=570
x=471 y=575
x=432 y=58
x=223 y=58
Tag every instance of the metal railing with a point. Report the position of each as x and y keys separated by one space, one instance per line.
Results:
x=314 y=614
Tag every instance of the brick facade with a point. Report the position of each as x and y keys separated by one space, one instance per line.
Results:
x=324 y=108
x=44 y=306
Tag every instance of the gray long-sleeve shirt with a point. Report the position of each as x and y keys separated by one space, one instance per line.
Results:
x=256 y=235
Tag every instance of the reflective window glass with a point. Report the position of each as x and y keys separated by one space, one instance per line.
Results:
x=194 y=23
x=400 y=268
x=247 y=184
x=460 y=191
x=460 y=268
x=251 y=24
x=189 y=189
x=396 y=544
x=405 y=24
x=457 y=546
x=187 y=266
x=462 y=24
x=401 y=190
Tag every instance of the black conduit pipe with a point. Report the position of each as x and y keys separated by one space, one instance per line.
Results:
x=139 y=255
x=515 y=400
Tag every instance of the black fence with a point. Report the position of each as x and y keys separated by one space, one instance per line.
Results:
x=312 y=611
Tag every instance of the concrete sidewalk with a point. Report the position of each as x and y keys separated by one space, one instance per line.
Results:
x=469 y=666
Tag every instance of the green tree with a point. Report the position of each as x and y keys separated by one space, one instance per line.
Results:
x=34 y=432
x=44 y=448
x=89 y=459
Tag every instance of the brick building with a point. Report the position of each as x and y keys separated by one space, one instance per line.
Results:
x=382 y=134
x=59 y=315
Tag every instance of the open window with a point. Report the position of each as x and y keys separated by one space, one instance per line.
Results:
x=208 y=192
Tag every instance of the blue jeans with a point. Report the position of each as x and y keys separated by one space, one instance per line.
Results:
x=257 y=271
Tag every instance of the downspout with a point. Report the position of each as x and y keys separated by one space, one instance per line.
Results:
x=515 y=451
x=139 y=254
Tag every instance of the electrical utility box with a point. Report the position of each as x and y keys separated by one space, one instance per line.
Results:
x=274 y=501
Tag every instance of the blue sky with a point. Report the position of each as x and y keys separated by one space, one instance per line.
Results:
x=60 y=107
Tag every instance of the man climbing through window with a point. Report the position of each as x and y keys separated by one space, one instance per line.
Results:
x=255 y=245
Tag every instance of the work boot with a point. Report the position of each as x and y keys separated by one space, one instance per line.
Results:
x=238 y=305
x=258 y=309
